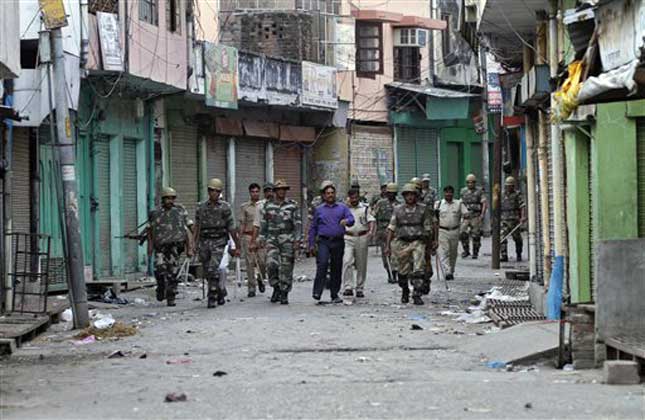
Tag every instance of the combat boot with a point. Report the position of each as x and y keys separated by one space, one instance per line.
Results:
x=395 y=277
x=519 y=256
x=161 y=289
x=284 y=297
x=466 y=252
x=261 y=286
x=221 y=297
x=276 y=295
x=416 y=299
x=504 y=258
x=170 y=299
x=212 y=302
x=405 y=295
x=475 y=253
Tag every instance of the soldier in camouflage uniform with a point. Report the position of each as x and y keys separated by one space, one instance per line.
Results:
x=167 y=236
x=411 y=227
x=379 y=197
x=213 y=225
x=513 y=214
x=382 y=212
x=281 y=231
x=475 y=200
x=261 y=251
x=428 y=193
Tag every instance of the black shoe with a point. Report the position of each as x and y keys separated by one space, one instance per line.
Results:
x=171 y=302
x=336 y=299
x=417 y=300
x=161 y=291
x=450 y=277
x=475 y=256
x=315 y=296
x=519 y=257
x=465 y=254
x=360 y=294
x=348 y=292
x=220 y=299
x=392 y=280
x=284 y=298
x=504 y=258
x=211 y=302
x=405 y=295
x=275 y=297
x=251 y=294
x=261 y=286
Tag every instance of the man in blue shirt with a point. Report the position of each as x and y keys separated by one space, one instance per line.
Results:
x=328 y=229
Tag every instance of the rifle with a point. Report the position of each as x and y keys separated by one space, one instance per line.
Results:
x=519 y=225
x=389 y=268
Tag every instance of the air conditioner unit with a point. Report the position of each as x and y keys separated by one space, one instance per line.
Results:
x=410 y=37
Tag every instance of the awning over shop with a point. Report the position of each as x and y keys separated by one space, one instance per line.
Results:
x=441 y=104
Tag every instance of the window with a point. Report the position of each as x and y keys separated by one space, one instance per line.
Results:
x=446 y=46
x=407 y=64
x=173 y=16
x=369 y=50
x=149 y=11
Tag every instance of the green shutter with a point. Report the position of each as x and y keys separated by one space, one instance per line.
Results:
x=406 y=154
x=184 y=169
x=130 y=216
x=427 y=154
x=640 y=138
x=417 y=153
x=102 y=250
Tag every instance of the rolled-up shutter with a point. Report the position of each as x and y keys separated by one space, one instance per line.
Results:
x=249 y=167
x=640 y=137
x=287 y=160
x=20 y=196
x=130 y=218
x=184 y=167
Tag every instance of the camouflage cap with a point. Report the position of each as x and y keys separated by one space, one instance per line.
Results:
x=409 y=188
x=425 y=178
x=267 y=186
x=471 y=178
x=168 y=192
x=281 y=184
x=392 y=187
x=510 y=181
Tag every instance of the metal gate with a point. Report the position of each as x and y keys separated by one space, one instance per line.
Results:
x=183 y=166
x=20 y=193
x=101 y=205
x=216 y=157
x=130 y=216
x=249 y=167
x=592 y=227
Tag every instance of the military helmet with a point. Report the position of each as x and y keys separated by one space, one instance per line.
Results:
x=326 y=183
x=509 y=181
x=392 y=188
x=267 y=186
x=384 y=184
x=409 y=188
x=168 y=192
x=425 y=178
x=471 y=178
x=280 y=185
x=417 y=181
x=215 y=184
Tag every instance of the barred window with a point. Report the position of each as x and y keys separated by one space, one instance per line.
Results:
x=149 y=11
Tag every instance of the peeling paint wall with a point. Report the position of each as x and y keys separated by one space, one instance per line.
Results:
x=330 y=161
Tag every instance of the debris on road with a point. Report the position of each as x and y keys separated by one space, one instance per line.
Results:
x=86 y=340
x=496 y=364
x=176 y=397
x=67 y=315
x=528 y=405
x=416 y=327
x=179 y=362
x=220 y=373
x=117 y=330
x=116 y=355
x=139 y=301
x=102 y=322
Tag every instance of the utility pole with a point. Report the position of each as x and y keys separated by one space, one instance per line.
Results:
x=497 y=189
x=66 y=158
x=485 y=136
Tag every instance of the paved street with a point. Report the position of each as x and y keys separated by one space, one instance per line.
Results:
x=299 y=361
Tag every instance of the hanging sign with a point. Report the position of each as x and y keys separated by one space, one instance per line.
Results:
x=221 y=75
x=53 y=13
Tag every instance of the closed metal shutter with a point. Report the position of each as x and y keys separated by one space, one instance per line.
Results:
x=249 y=167
x=551 y=201
x=287 y=166
x=640 y=138
x=417 y=153
x=102 y=250
x=216 y=157
x=184 y=169
x=130 y=247
x=592 y=228
x=20 y=197
x=539 y=246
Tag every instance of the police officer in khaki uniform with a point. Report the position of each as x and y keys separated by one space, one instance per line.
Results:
x=213 y=225
x=450 y=213
x=168 y=235
x=475 y=200
x=411 y=228
x=357 y=245
x=513 y=214
x=248 y=213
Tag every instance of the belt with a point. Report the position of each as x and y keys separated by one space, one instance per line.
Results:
x=410 y=239
x=363 y=233
x=330 y=238
x=250 y=233
x=449 y=228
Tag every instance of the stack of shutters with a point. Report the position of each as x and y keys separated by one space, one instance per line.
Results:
x=184 y=167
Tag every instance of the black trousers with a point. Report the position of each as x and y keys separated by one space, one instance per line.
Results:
x=330 y=252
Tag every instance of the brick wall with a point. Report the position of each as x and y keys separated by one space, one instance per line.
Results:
x=372 y=157
x=290 y=35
